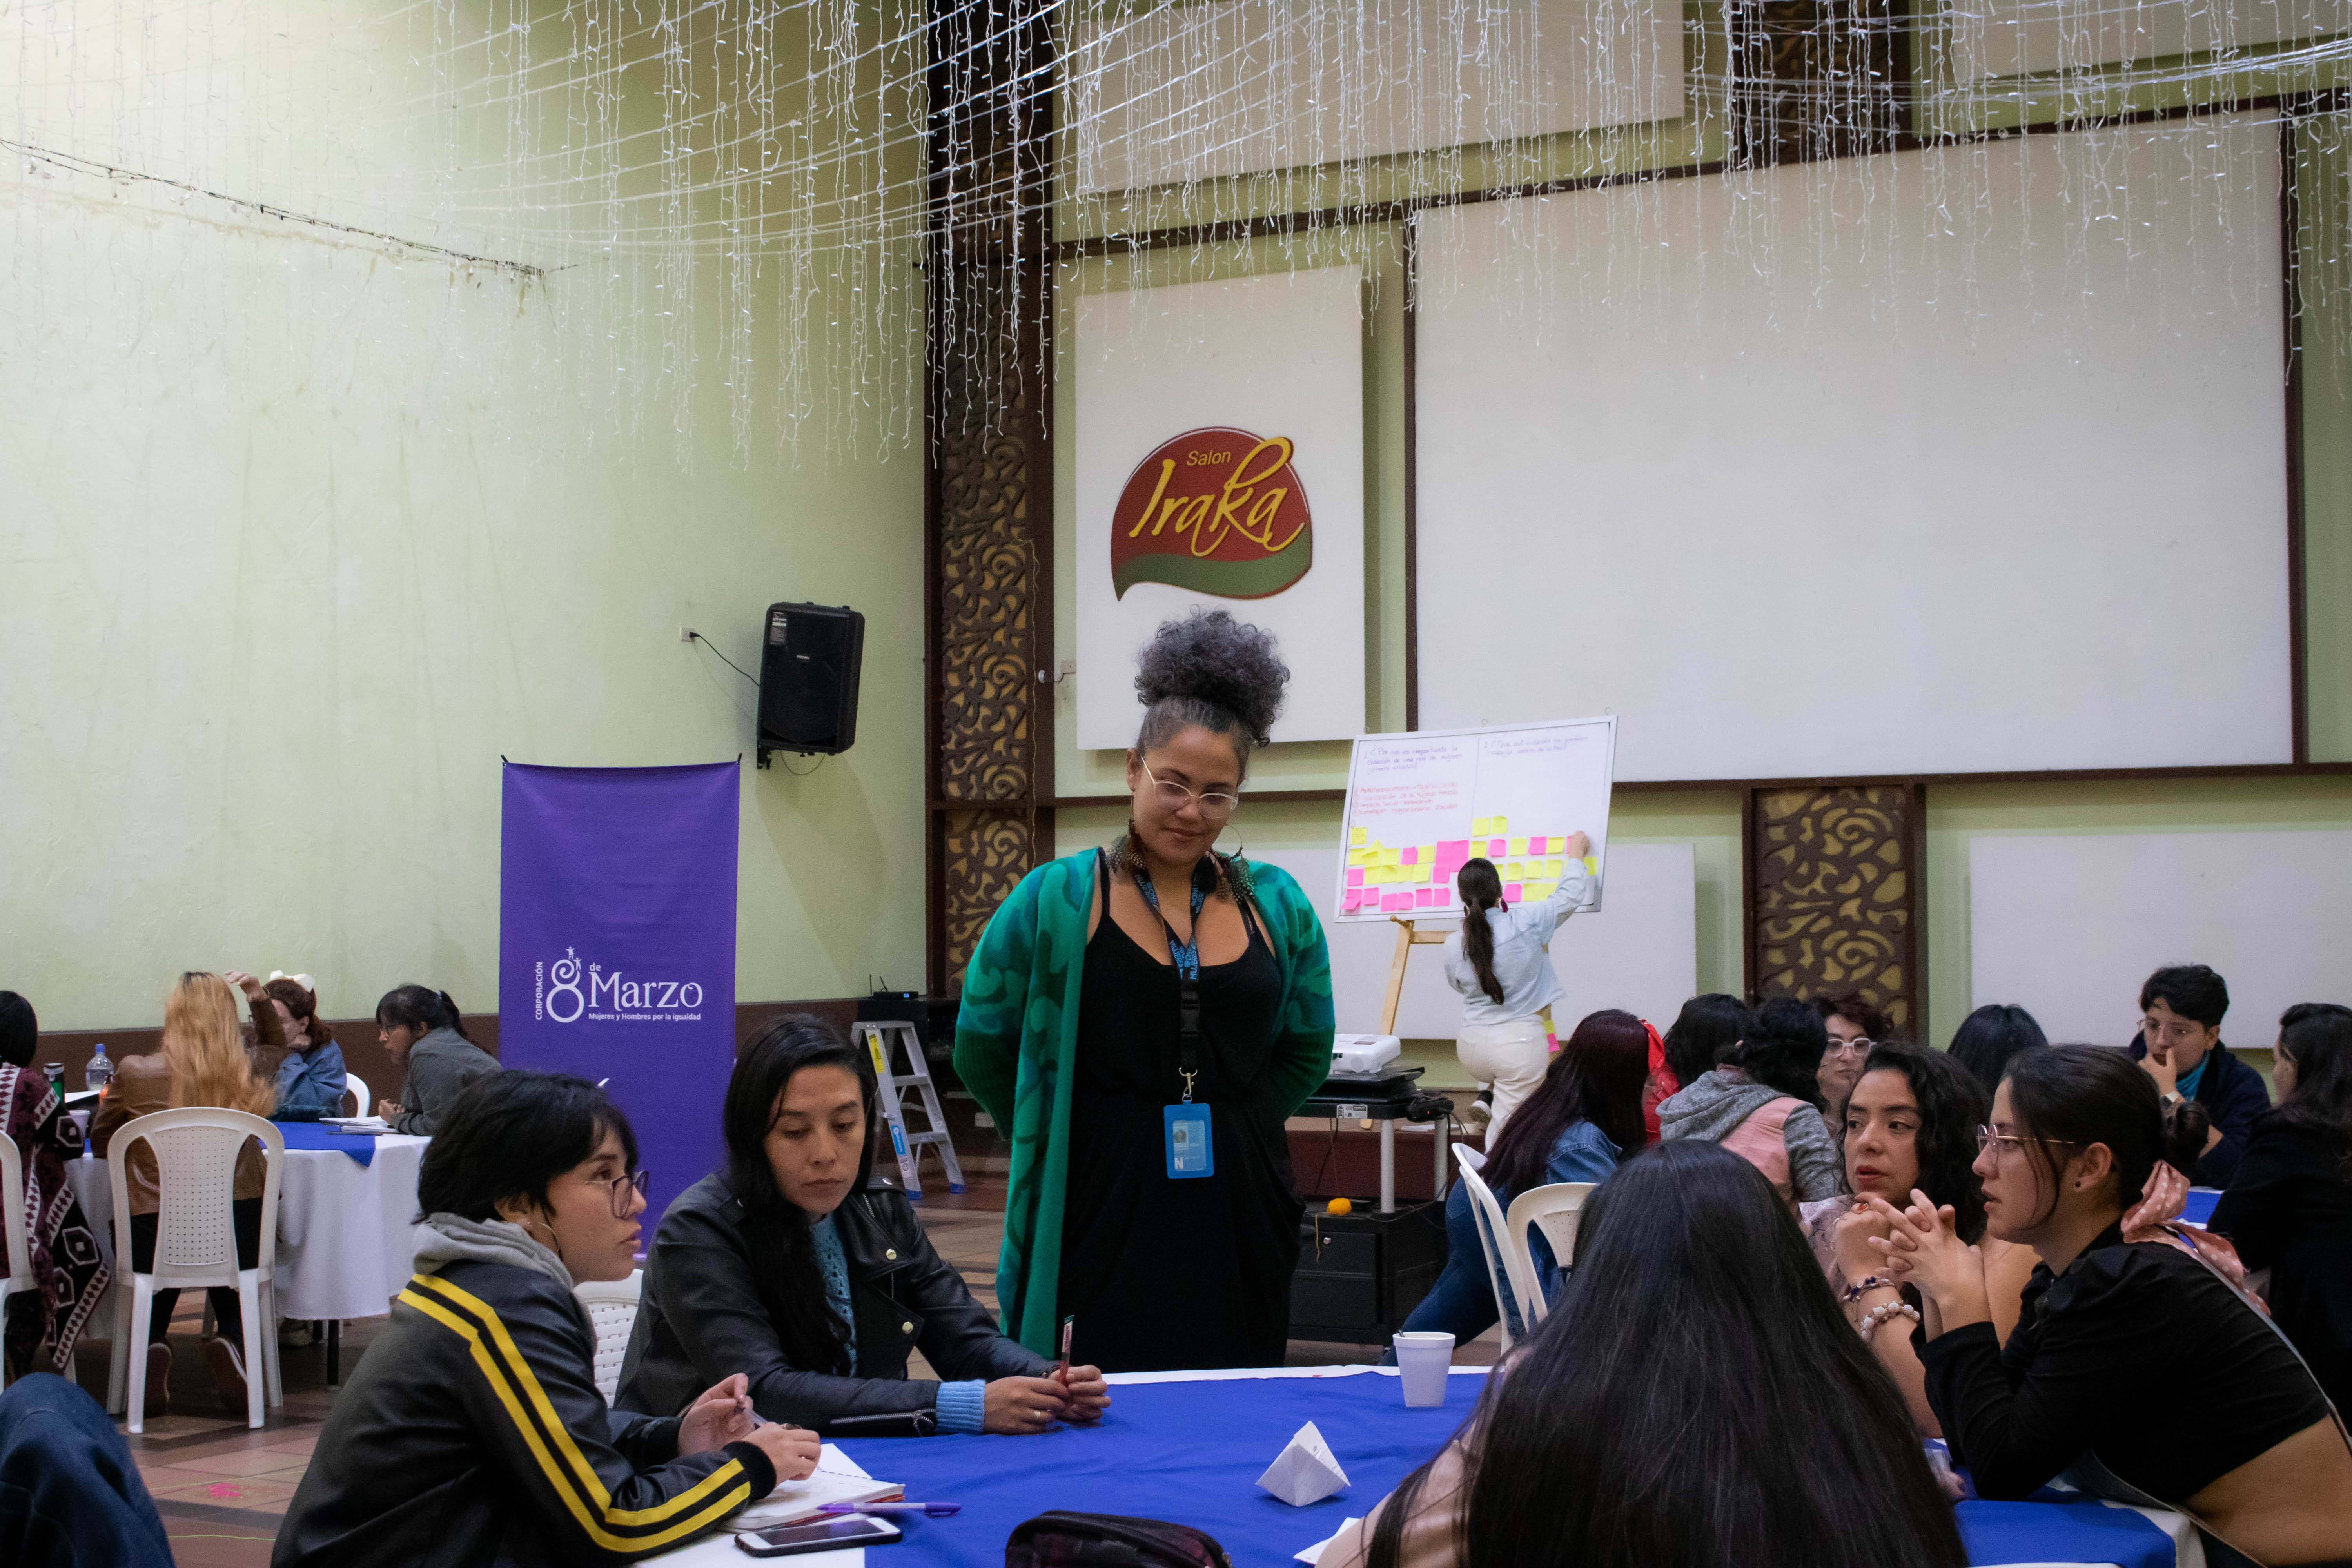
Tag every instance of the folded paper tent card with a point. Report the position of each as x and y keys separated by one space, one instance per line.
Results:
x=1303 y=1471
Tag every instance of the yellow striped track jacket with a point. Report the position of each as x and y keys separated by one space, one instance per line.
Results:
x=472 y=1432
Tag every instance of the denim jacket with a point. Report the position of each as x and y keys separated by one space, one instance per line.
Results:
x=311 y=1084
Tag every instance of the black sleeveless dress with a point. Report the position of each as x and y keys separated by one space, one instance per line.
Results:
x=1163 y=1274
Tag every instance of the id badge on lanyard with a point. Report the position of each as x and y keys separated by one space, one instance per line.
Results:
x=1184 y=1127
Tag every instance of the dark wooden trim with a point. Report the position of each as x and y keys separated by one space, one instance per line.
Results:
x=1748 y=896
x=1915 y=856
x=2291 y=314
x=1729 y=786
x=935 y=911
x=1412 y=475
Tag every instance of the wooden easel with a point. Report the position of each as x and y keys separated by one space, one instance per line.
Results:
x=1409 y=937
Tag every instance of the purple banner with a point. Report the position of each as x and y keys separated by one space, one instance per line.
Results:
x=616 y=946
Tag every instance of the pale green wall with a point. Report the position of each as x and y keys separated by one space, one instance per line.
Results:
x=298 y=538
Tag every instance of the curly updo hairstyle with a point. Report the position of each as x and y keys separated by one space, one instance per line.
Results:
x=1212 y=670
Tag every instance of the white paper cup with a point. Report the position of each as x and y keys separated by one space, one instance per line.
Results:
x=1424 y=1362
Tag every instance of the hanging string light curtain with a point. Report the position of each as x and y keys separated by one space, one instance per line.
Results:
x=732 y=202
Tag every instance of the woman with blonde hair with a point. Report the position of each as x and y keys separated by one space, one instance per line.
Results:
x=202 y=1062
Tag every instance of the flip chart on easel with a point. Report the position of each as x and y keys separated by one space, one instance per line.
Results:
x=1421 y=804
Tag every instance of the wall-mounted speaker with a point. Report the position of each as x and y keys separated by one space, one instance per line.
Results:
x=809 y=661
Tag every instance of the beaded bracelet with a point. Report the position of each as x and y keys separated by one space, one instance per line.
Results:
x=1855 y=1291
x=1879 y=1314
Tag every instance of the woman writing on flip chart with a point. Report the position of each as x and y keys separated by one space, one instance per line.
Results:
x=1141 y=1021
x=1500 y=962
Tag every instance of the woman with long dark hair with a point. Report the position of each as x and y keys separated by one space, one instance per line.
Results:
x=1911 y=1124
x=421 y=1030
x=1988 y=1037
x=1584 y=1117
x=1706 y=1026
x=790 y=1268
x=472 y=1431
x=2085 y=1384
x=2289 y=1206
x=1763 y=1102
x=1141 y=1021
x=1500 y=963
x=1694 y=1396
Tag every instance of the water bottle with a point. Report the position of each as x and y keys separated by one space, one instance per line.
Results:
x=101 y=1071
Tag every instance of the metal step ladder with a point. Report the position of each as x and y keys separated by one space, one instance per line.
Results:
x=884 y=1039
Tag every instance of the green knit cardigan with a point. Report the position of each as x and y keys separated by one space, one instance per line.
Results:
x=1016 y=1049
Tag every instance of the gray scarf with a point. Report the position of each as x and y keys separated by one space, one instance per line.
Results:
x=443 y=1238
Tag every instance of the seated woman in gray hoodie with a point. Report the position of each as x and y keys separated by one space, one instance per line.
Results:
x=1763 y=1102
x=420 y=1029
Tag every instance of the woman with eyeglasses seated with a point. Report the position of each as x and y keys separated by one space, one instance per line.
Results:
x=1853 y=1023
x=1693 y=1398
x=472 y=1431
x=2093 y=1384
x=789 y=1267
x=1150 y=1196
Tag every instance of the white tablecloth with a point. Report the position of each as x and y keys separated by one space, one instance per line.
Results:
x=346 y=1240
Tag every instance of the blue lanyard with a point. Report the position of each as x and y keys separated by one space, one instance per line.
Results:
x=1186 y=955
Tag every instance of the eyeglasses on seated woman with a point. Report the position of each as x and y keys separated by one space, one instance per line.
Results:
x=788 y=1266
x=473 y=1431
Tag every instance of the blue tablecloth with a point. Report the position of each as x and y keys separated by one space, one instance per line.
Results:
x=1192 y=1452
x=316 y=1136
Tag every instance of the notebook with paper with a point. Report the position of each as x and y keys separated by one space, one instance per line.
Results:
x=838 y=1478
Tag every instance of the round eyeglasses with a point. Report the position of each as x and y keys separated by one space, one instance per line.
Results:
x=619 y=1188
x=1173 y=797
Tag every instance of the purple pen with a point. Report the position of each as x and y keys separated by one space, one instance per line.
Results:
x=928 y=1510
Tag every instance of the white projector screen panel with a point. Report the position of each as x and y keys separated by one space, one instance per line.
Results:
x=1638 y=952
x=1869 y=497
x=2069 y=927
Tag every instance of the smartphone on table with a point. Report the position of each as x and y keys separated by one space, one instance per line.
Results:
x=819 y=1535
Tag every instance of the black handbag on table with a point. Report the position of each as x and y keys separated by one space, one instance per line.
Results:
x=1061 y=1540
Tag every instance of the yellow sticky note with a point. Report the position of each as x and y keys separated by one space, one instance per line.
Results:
x=1514 y=872
x=1540 y=890
x=1359 y=858
x=1480 y=826
x=1360 y=835
x=1391 y=856
x=1592 y=864
x=1429 y=854
x=1518 y=846
x=1500 y=825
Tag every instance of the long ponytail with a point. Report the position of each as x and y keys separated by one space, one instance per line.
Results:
x=1481 y=888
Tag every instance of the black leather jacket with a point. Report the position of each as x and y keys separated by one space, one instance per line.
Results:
x=472 y=1432
x=699 y=1320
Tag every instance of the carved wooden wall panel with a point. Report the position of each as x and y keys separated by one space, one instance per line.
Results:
x=990 y=524
x=1834 y=894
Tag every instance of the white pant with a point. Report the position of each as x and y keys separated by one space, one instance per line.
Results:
x=1511 y=1057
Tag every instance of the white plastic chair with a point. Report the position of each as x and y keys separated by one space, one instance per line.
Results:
x=1554 y=1210
x=1494 y=1232
x=356 y=1086
x=195 y=1150
x=612 y=1312
x=20 y=1256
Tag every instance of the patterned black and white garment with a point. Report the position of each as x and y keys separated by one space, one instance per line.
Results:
x=66 y=1257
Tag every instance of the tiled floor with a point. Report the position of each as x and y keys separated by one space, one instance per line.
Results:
x=221 y=1488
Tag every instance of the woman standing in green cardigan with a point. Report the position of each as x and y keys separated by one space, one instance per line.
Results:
x=1151 y=1198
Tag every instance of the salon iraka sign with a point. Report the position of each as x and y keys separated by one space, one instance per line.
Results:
x=1215 y=510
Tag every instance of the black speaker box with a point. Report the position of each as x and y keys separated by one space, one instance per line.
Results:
x=809 y=662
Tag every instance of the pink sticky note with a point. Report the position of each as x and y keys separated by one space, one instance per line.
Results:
x=1511 y=890
x=1424 y=898
x=1498 y=848
x=1536 y=842
x=1411 y=857
x=1356 y=877
x=1358 y=898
